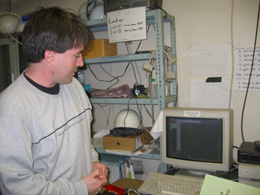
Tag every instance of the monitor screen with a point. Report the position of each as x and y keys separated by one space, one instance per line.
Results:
x=197 y=139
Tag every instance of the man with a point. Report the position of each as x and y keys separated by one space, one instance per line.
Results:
x=45 y=114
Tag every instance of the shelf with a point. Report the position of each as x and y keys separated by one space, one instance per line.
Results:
x=113 y=59
x=140 y=101
x=154 y=154
x=122 y=58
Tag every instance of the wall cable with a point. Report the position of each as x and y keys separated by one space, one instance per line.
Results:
x=250 y=76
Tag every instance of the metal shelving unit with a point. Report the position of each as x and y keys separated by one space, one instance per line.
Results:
x=157 y=18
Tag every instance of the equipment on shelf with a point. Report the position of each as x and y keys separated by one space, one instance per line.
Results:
x=248 y=153
x=140 y=91
x=114 y=5
x=119 y=92
x=127 y=118
x=127 y=123
x=249 y=164
x=125 y=131
x=127 y=143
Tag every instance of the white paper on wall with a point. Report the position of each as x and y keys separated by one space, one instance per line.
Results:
x=211 y=60
x=243 y=63
x=210 y=94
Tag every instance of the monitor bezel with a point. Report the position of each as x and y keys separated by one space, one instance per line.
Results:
x=227 y=154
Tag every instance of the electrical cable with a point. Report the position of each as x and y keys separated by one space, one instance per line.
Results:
x=111 y=79
x=148 y=28
x=109 y=75
x=176 y=101
x=85 y=12
x=130 y=52
x=148 y=112
x=106 y=115
x=13 y=39
x=131 y=62
x=250 y=76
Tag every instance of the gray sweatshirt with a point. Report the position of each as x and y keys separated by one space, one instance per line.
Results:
x=45 y=142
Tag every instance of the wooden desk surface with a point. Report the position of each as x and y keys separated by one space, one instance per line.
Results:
x=128 y=183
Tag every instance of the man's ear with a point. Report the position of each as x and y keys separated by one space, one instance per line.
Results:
x=49 y=56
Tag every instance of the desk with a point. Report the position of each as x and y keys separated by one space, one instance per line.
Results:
x=128 y=183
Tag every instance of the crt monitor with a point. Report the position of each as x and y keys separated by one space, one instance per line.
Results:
x=197 y=139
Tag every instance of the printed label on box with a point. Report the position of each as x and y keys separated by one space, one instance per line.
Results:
x=138 y=142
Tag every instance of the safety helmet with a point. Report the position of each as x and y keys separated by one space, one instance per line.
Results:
x=8 y=22
x=128 y=119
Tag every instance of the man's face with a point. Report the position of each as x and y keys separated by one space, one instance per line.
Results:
x=66 y=65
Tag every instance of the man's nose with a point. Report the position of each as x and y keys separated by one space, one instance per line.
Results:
x=80 y=61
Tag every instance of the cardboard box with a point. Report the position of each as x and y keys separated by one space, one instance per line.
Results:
x=100 y=48
x=129 y=143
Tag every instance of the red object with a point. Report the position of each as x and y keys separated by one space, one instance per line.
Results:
x=119 y=92
x=112 y=188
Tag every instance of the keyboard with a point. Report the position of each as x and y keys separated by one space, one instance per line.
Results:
x=157 y=183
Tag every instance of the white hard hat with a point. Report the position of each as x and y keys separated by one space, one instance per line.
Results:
x=128 y=119
x=8 y=22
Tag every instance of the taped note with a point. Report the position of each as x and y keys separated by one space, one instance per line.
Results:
x=126 y=25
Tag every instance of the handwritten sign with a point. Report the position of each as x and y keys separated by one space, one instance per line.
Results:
x=126 y=25
x=243 y=63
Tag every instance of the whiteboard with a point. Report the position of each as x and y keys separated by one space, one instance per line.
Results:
x=126 y=25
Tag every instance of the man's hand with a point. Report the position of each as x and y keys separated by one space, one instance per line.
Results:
x=95 y=181
x=101 y=167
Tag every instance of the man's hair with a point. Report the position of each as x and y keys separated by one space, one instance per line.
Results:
x=53 y=29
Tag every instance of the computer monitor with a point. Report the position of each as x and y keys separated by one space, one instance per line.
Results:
x=198 y=139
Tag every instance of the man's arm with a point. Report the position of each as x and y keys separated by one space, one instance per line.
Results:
x=17 y=172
